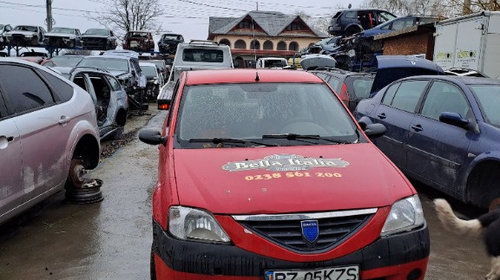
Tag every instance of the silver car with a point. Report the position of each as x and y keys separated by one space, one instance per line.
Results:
x=48 y=136
x=109 y=96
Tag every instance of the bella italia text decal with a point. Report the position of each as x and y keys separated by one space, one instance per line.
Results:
x=284 y=162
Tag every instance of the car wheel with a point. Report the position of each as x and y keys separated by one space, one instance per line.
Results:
x=482 y=185
x=79 y=189
x=152 y=269
x=72 y=44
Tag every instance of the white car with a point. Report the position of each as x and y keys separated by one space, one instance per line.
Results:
x=63 y=37
x=48 y=137
x=26 y=35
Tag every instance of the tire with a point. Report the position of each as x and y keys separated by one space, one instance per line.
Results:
x=80 y=190
x=482 y=185
x=352 y=30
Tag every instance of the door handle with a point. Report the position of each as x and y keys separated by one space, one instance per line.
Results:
x=417 y=127
x=63 y=120
x=381 y=115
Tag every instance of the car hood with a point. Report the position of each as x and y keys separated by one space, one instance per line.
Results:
x=264 y=180
x=95 y=36
x=20 y=32
x=59 y=35
x=394 y=67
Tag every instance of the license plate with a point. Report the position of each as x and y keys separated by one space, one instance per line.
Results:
x=333 y=273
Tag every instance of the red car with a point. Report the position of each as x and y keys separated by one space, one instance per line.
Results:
x=266 y=175
x=140 y=41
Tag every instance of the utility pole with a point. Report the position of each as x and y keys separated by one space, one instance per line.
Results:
x=49 y=20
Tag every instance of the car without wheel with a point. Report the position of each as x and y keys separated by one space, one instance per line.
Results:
x=98 y=39
x=48 y=138
x=267 y=172
x=63 y=37
x=26 y=35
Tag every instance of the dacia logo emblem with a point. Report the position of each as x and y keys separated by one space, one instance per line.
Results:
x=310 y=230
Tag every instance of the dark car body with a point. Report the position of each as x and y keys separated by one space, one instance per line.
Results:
x=443 y=131
x=397 y=24
x=351 y=21
x=168 y=42
x=98 y=39
x=266 y=176
x=351 y=87
x=140 y=41
x=63 y=37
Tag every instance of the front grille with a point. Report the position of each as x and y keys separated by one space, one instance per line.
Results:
x=287 y=232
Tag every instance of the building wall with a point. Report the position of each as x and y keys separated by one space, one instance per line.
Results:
x=302 y=42
x=410 y=44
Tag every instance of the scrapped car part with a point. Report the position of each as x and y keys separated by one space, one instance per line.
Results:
x=26 y=35
x=351 y=21
x=314 y=61
x=140 y=41
x=98 y=39
x=168 y=42
x=63 y=37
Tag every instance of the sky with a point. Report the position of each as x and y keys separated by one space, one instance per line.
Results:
x=187 y=17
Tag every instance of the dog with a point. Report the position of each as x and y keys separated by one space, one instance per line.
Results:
x=487 y=225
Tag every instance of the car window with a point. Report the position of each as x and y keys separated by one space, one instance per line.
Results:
x=101 y=88
x=362 y=87
x=384 y=16
x=203 y=55
x=488 y=97
x=351 y=15
x=62 y=89
x=408 y=95
x=115 y=85
x=444 y=97
x=389 y=94
x=402 y=23
x=79 y=80
x=23 y=89
x=335 y=83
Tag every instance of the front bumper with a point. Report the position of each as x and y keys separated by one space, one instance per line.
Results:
x=401 y=256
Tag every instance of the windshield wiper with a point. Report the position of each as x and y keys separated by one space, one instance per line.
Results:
x=223 y=141
x=302 y=137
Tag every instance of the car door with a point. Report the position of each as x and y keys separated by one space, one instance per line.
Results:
x=42 y=126
x=11 y=190
x=396 y=112
x=435 y=150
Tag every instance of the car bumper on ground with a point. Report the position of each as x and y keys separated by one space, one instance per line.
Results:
x=401 y=256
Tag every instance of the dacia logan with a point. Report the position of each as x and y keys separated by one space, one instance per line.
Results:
x=264 y=174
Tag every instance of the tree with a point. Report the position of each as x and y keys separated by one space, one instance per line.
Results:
x=127 y=15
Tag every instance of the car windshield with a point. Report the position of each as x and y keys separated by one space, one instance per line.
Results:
x=488 y=97
x=102 y=32
x=149 y=71
x=63 y=30
x=66 y=60
x=170 y=37
x=268 y=113
x=110 y=64
x=271 y=63
x=26 y=28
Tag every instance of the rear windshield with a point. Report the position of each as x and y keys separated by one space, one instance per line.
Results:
x=250 y=111
x=488 y=97
x=271 y=63
x=362 y=87
x=203 y=55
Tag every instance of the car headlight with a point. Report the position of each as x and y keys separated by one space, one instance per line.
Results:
x=406 y=214
x=194 y=224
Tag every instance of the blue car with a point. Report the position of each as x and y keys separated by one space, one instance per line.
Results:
x=443 y=131
x=397 y=24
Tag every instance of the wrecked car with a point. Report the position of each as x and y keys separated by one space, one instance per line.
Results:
x=127 y=70
x=26 y=35
x=154 y=80
x=168 y=42
x=140 y=41
x=63 y=37
x=352 y=21
x=98 y=39
x=259 y=177
x=110 y=99
x=48 y=137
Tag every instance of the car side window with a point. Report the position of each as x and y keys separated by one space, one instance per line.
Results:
x=335 y=84
x=408 y=95
x=115 y=85
x=444 y=97
x=23 y=89
x=351 y=15
x=62 y=89
x=389 y=94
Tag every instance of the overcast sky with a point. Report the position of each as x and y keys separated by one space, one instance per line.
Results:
x=187 y=17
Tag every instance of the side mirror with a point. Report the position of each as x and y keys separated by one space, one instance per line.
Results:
x=372 y=130
x=454 y=119
x=152 y=137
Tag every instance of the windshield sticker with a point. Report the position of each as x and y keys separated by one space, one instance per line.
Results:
x=284 y=162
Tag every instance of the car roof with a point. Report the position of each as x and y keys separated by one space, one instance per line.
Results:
x=463 y=79
x=249 y=76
